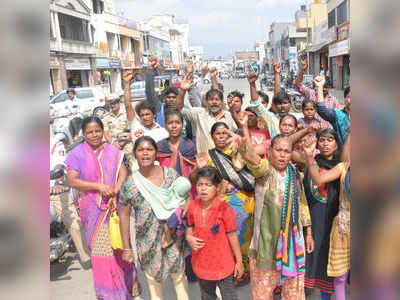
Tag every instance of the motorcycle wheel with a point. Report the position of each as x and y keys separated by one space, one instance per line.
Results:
x=99 y=112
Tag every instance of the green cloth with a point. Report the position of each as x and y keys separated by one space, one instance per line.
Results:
x=163 y=201
x=270 y=225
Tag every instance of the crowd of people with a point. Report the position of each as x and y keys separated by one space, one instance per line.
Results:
x=210 y=191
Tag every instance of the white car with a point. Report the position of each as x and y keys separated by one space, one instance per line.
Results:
x=88 y=98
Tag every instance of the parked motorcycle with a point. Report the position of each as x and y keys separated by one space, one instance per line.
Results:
x=60 y=239
x=296 y=99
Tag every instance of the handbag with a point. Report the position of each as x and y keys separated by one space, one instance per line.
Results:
x=115 y=232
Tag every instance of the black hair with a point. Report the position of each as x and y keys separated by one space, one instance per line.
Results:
x=346 y=91
x=264 y=96
x=169 y=90
x=74 y=125
x=308 y=101
x=332 y=132
x=251 y=109
x=144 y=105
x=237 y=94
x=86 y=121
x=290 y=116
x=142 y=139
x=280 y=97
x=216 y=125
x=210 y=173
x=328 y=82
x=172 y=112
x=279 y=137
x=212 y=92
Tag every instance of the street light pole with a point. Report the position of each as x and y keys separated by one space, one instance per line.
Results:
x=308 y=53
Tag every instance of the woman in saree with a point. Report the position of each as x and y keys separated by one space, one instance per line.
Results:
x=144 y=191
x=338 y=265
x=97 y=171
x=238 y=187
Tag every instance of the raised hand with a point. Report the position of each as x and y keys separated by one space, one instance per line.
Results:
x=152 y=62
x=204 y=70
x=127 y=76
x=189 y=68
x=319 y=81
x=277 y=67
x=309 y=143
x=213 y=72
x=202 y=159
x=304 y=65
x=243 y=117
x=252 y=78
x=187 y=83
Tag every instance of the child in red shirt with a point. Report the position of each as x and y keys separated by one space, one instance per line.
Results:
x=211 y=232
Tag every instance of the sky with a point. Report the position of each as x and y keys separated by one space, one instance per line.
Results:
x=220 y=26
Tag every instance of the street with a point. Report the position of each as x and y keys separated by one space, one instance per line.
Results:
x=69 y=281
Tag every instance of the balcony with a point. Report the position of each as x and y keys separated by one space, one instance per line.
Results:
x=71 y=46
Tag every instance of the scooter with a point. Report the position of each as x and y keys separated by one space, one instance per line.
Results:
x=60 y=239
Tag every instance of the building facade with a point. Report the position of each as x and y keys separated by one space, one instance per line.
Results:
x=72 y=50
x=339 y=49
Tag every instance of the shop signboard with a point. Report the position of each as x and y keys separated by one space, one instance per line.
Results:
x=102 y=63
x=77 y=63
x=339 y=48
x=54 y=63
x=115 y=63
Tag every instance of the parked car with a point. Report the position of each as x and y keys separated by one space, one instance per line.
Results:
x=138 y=88
x=89 y=98
x=241 y=75
x=224 y=75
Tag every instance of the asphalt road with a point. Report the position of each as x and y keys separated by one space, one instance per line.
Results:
x=68 y=281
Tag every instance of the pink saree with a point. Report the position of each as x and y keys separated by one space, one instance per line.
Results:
x=113 y=278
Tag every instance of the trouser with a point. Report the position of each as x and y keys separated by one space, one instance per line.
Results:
x=340 y=286
x=64 y=206
x=180 y=283
x=226 y=287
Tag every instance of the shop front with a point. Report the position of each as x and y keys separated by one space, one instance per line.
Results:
x=55 y=75
x=78 y=72
x=108 y=71
x=339 y=56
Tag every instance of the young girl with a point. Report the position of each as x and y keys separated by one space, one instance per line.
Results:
x=309 y=111
x=211 y=233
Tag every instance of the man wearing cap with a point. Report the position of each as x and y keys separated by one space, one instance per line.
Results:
x=115 y=123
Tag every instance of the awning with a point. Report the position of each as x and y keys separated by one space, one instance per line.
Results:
x=315 y=48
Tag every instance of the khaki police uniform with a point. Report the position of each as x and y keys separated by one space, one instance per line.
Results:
x=115 y=125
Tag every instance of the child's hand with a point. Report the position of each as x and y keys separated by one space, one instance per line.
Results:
x=195 y=242
x=239 y=270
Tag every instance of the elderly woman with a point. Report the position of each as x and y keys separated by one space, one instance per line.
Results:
x=238 y=187
x=143 y=192
x=277 y=249
x=96 y=170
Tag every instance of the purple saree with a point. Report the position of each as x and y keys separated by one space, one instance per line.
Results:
x=113 y=278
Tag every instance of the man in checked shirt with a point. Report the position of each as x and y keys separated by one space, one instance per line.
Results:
x=329 y=99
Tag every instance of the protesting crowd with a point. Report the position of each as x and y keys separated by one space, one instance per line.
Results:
x=209 y=191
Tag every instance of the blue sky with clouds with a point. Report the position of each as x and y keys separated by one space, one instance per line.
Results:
x=220 y=26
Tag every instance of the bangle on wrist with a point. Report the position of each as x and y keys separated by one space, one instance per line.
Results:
x=128 y=249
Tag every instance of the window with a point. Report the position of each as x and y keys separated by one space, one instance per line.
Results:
x=82 y=94
x=60 y=98
x=133 y=48
x=342 y=13
x=98 y=6
x=72 y=28
x=332 y=18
